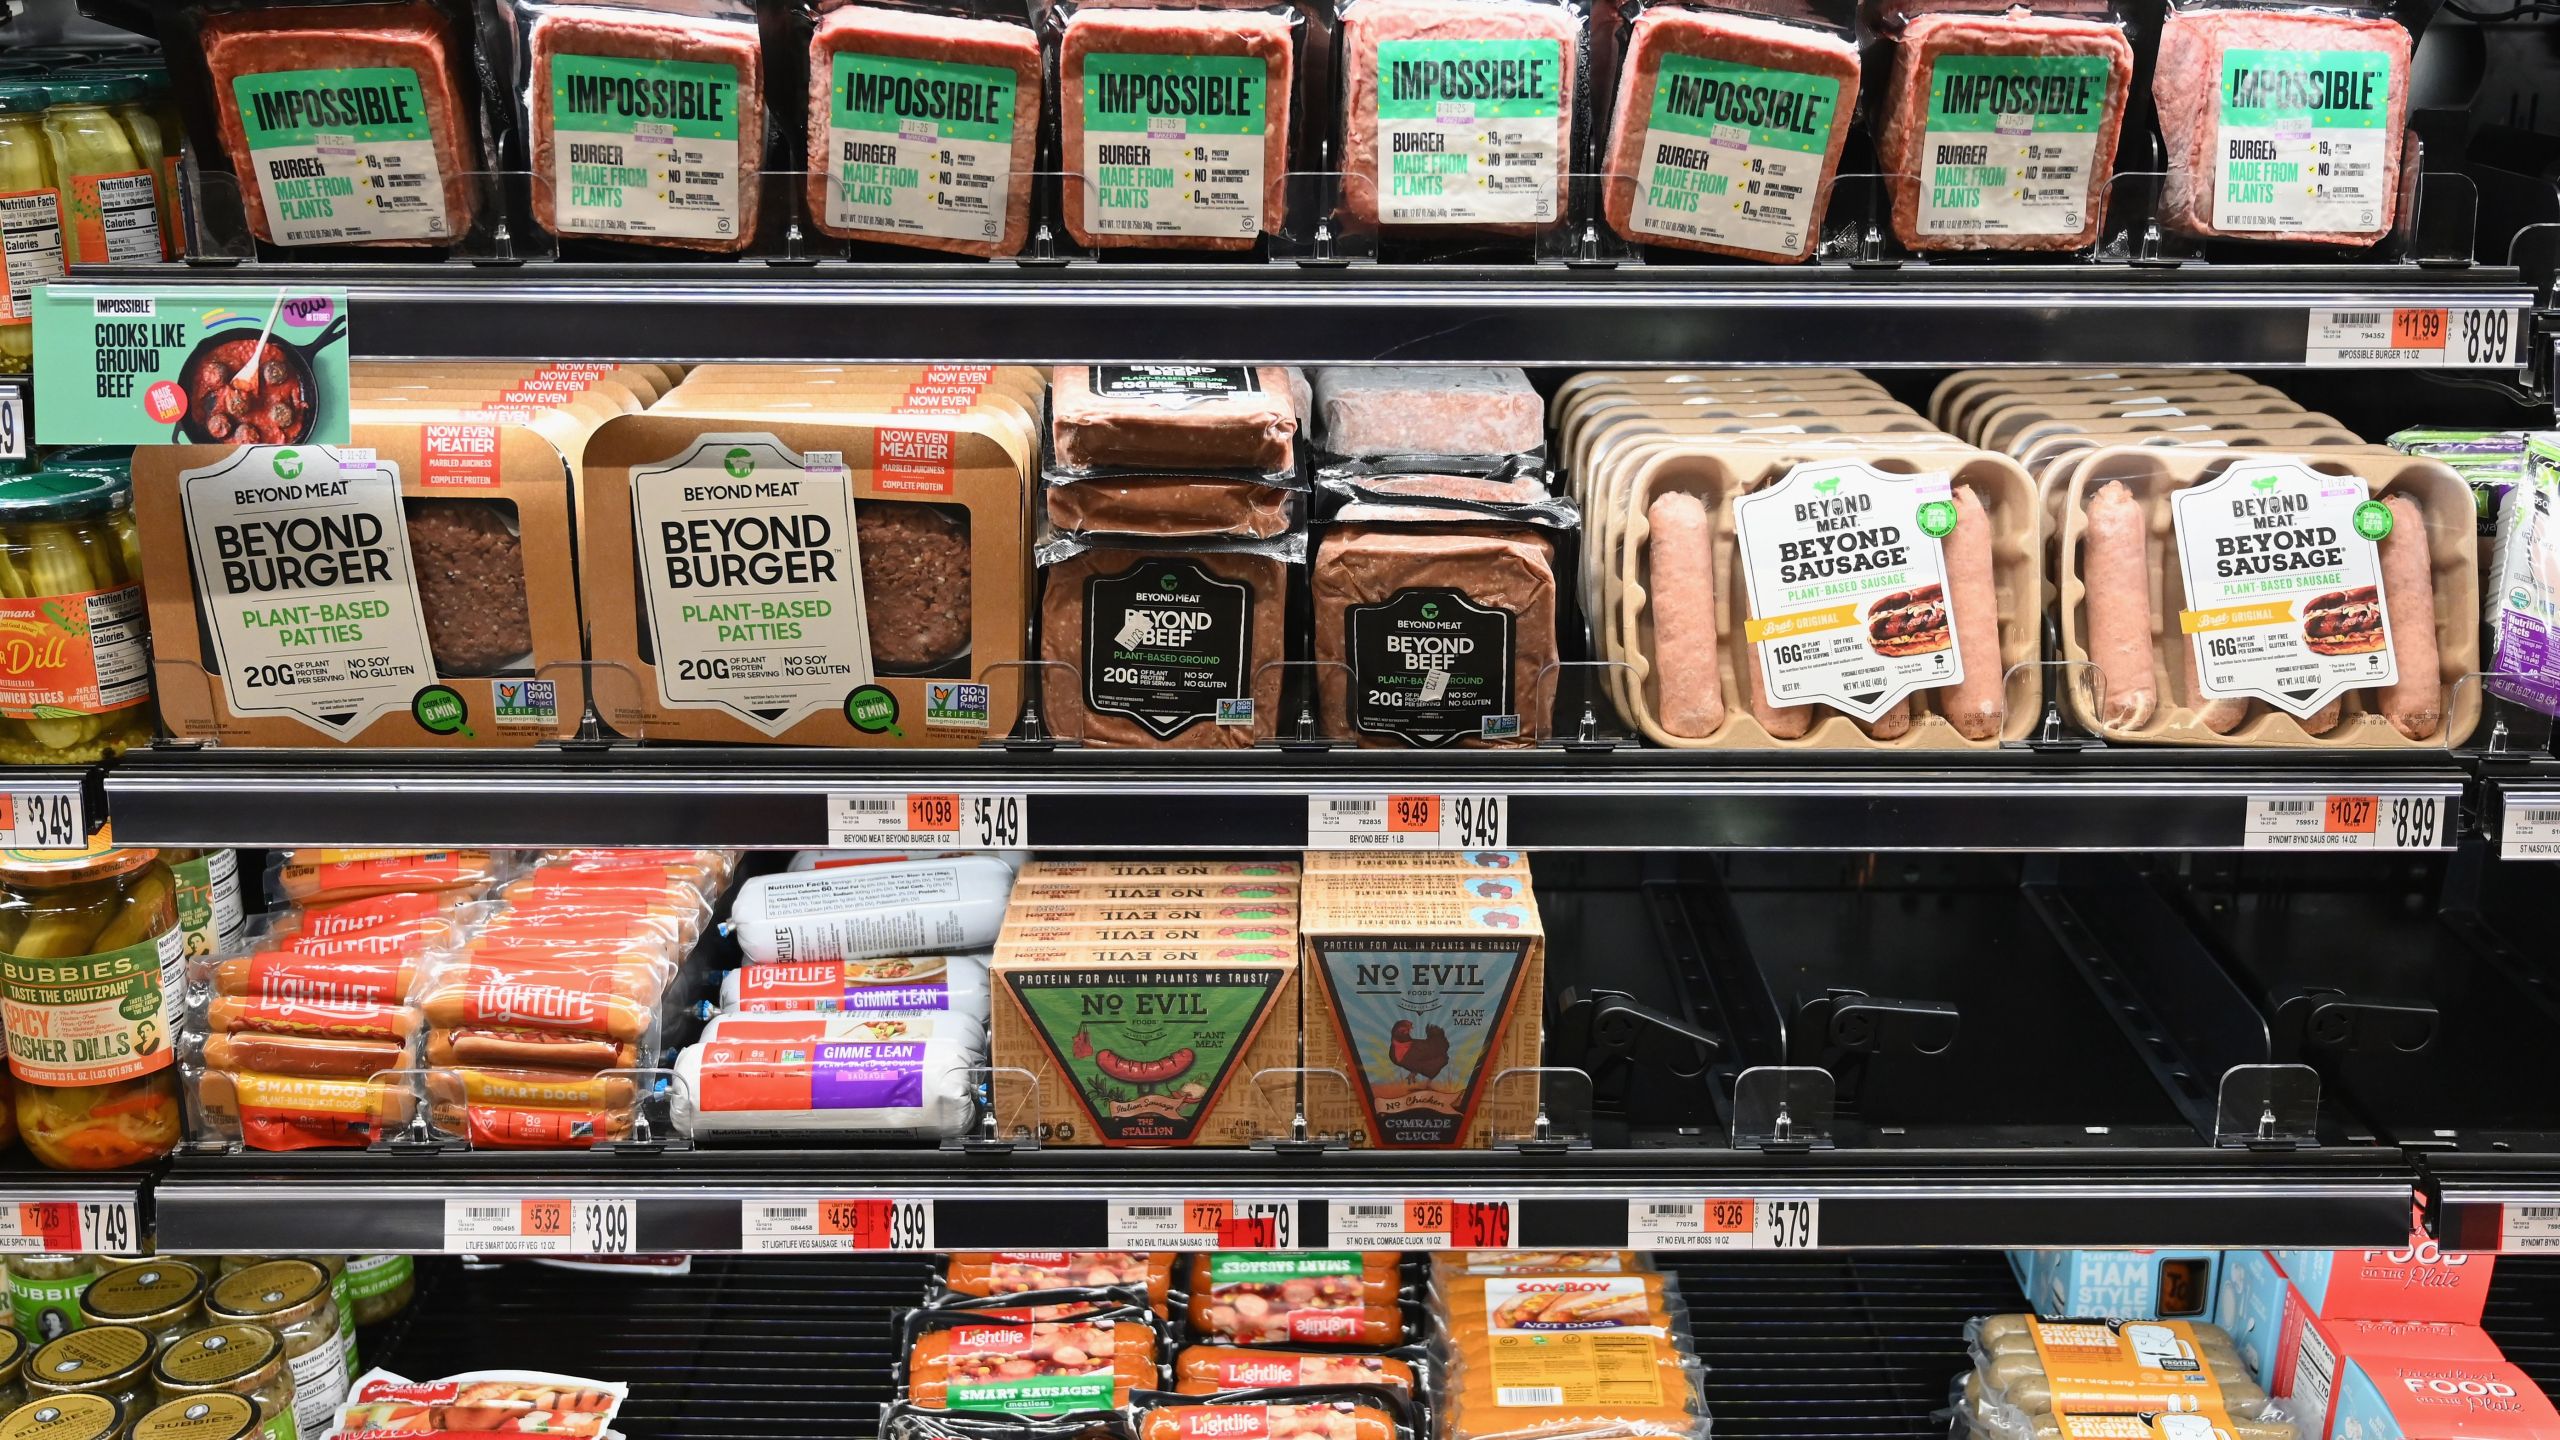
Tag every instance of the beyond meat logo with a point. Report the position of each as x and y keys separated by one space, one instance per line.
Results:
x=1475 y=79
x=1762 y=107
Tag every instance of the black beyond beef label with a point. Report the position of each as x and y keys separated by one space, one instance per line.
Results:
x=1174 y=384
x=1164 y=642
x=1430 y=666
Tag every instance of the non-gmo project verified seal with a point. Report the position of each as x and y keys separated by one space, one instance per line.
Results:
x=525 y=702
x=957 y=705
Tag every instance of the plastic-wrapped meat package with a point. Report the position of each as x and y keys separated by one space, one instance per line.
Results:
x=647 y=125
x=1164 y=644
x=922 y=985
x=1439 y=411
x=877 y=72
x=1434 y=635
x=1116 y=90
x=1173 y=417
x=830 y=1073
x=1499 y=165
x=1170 y=508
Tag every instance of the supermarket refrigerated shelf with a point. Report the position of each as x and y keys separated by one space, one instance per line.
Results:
x=1919 y=315
x=703 y=1201
x=2013 y=800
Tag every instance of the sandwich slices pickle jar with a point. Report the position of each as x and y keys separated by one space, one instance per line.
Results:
x=242 y=1361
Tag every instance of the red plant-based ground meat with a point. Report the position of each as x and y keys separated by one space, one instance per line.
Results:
x=470 y=569
x=915 y=583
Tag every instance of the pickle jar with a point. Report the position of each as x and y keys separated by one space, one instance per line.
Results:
x=113 y=1361
x=13 y=1364
x=382 y=1285
x=65 y=1417
x=209 y=911
x=89 y=947
x=44 y=1294
x=205 y=1417
x=293 y=1298
x=30 y=213
x=164 y=1298
x=71 y=576
x=241 y=1361
x=110 y=195
x=341 y=1289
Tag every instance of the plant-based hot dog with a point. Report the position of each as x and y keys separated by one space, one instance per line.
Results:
x=2115 y=569
x=613 y=1003
x=1319 y=1420
x=345 y=1020
x=2414 y=704
x=529 y=1109
x=1976 y=704
x=1013 y=1272
x=297 y=1112
x=285 y=975
x=1143 y=1072
x=1682 y=591
x=524 y=1047
x=984 y=1364
x=304 y=1054
x=1209 y=1369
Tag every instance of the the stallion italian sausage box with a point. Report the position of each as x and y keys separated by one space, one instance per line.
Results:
x=1147 y=1045
x=412 y=590
x=804 y=581
x=1422 y=990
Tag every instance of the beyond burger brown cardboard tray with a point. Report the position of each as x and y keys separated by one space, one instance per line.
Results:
x=2226 y=597
x=809 y=565
x=411 y=590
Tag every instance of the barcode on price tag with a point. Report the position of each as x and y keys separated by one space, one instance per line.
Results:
x=13 y=423
x=2348 y=822
x=1197 y=1224
x=495 y=1225
x=1431 y=1223
x=1413 y=822
x=2530 y=831
x=47 y=820
x=2467 y=338
x=2530 y=1228
x=927 y=820
x=860 y=1224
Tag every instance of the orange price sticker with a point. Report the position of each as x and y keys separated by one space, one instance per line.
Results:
x=933 y=813
x=1728 y=1217
x=543 y=1217
x=2350 y=815
x=2417 y=329
x=1206 y=1217
x=54 y=1224
x=864 y=1222
x=1426 y=1217
x=1413 y=814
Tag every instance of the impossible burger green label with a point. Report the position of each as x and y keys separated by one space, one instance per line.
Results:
x=2304 y=141
x=1173 y=144
x=1733 y=154
x=342 y=156
x=2010 y=143
x=920 y=147
x=1467 y=130
x=643 y=148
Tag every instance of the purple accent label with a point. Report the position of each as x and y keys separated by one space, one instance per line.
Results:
x=309 y=309
x=896 y=999
x=867 y=1077
x=2525 y=672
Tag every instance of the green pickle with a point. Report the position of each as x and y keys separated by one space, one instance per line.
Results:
x=30 y=217
x=90 y=989
x=110 y=193
x=69 y=574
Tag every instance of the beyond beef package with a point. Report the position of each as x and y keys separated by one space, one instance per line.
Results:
x=410 y=591
x=1166 y=644
x=640 y=121
x=327 y=125
x=805 y=570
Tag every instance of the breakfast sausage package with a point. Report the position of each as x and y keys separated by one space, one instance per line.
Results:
x=412 y=591
x=1302 y=1412
x=384 y=1406
x=1059 y=1352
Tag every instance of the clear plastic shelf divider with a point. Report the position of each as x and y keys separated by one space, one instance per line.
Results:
x=1538 y=1108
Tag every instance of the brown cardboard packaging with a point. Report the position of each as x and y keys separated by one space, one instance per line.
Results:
x=1422 y=990
x=1415 y=862
x=289 y=606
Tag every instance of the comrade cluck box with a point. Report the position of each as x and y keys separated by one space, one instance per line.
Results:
x=411 y=590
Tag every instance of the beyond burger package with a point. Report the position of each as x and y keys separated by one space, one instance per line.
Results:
x=412 y=590
x=921 y=130
x=808 y=561
x=317 y=126
x=639 y=121
x=1725 y=123
x=2000 y=122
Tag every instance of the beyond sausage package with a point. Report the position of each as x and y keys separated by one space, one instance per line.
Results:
x=1689 y=81
x=1423 y=990
x=411 y=591
x=641 y=121
x=326 y=125
x=838 y=576
x=2000 y=122
x=2231 y=597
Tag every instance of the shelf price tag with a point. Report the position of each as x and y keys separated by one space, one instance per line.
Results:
x=928 y=820
x=13 y=422
x=2530 y=832
x=1227 y=1224
x=1416 y=822
x=1724 y=1224
x=2529 y=1229
x=67 y=1226
x=2348 y=822
x=1422 y=1224
x=865 y=1224
x=46 y=819
x=2473 y=338
x=547 y=1226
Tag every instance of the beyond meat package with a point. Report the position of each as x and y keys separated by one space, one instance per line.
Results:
x=2282 y=121
x=1726 y=125
x=412 y=591
x=807 y=564
x=1174 y=451
x=338 y=125
x=2000 y=122
x=642 y=121
x=1427 y=420
x=1460 y=114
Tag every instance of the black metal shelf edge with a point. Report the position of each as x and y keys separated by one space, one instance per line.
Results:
x=1914 y=315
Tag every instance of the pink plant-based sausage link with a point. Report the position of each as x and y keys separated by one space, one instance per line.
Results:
x=1783 y=722
x=2115 y=566
x=2219 y=716
x=2415 y=703
x=1892 y=724
x=1683 y=593
x=2324 y=719
x=1975 y=704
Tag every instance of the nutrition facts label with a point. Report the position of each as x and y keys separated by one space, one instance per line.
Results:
x=31 y=231
x=116 y=217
